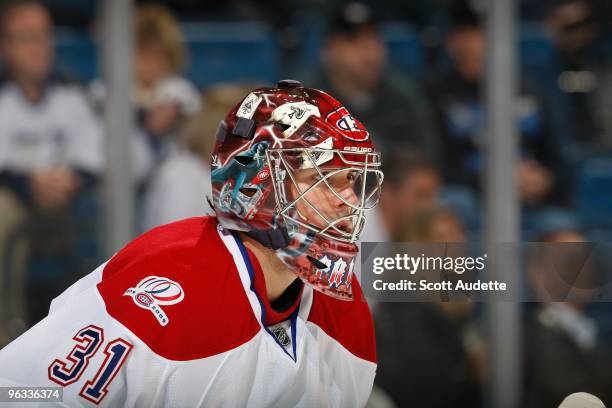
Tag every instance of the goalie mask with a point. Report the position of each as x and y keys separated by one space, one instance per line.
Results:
x=293 y=169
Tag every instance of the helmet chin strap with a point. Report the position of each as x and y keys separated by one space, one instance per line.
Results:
x=274 y=238
x=278 y=238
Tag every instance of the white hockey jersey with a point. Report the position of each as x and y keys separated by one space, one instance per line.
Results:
x=175 y=319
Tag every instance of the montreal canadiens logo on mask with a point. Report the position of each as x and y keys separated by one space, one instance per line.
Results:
x=353 y=129
x=153 y=292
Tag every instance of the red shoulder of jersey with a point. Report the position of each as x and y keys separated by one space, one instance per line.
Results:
x=349 y=323
x=177 y=289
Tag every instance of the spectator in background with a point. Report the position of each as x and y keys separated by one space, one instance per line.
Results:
x=412 y=185
x=164 y=103
x=181 y=183
x=164 y=100
x=457 y=94
x=354 y=58
x=50 y=141
x=430 y=224
x=563 y=351
x=584 y=72
x=426 y=351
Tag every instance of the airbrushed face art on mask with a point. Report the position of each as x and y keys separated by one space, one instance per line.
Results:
x=243 y=178
x=293 y=162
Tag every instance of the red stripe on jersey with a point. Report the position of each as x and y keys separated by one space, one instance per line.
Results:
x=349 y=323
x=215 y=315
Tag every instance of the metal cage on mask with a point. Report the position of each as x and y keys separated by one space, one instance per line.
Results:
x=364 y=180
x=324 y=255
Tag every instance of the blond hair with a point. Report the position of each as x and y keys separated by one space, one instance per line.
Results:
x=155 y=25
x=417 y=227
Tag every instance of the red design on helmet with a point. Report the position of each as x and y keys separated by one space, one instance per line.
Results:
x=291 y=163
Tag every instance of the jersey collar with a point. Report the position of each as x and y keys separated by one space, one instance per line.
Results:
x=247 y=273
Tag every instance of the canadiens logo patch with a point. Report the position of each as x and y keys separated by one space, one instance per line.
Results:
x=263 y=175
x=153 y=292
x=353 y=129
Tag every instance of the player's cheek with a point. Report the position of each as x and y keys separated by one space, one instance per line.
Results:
x=325 y=205
x=304 y=206
x=320 y=201
x=349 y=195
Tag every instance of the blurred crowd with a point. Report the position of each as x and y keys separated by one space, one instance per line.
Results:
x=412 y=73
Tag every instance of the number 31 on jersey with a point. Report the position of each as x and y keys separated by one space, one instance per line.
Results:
x=88 y=341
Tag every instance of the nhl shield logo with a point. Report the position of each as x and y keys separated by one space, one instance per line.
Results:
x=351 y=127
x=282 y=336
